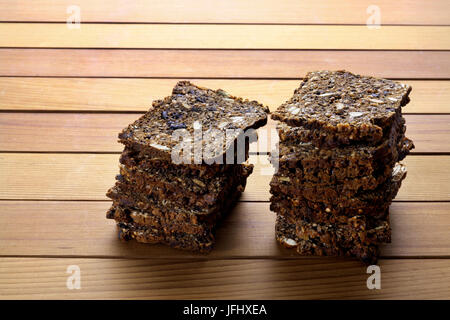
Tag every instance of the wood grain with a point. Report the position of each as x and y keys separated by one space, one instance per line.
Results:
x=192 y=36
x=229 y=279
x=100 y=94
x=88 y=176
x=429 y=132
x=80 y=229
x=220 y=63
x=63 y=132
x=87 y=132
x=231 y=11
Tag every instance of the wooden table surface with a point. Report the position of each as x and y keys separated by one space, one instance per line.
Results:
x=66 y=93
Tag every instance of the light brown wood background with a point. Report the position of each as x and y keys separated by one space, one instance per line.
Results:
x=66 y=93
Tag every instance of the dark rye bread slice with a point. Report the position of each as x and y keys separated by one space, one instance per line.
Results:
x=341 y=108
x=302 y=212
x=351 y=238
x=334 y=166
x=329 y=167
x=347 y=239
x=344 y=188
x=290 y=134
x=160 y=196
x=168 y=214
x=145 y=188
x=161 y=220
x=294 y=151
x=166 y=219
x=335 y=201
x=348 y=186
x=342 y=171
x=167 y=227
x=294 y=209
x=143 y=179
x=131 y=158
x=128 y=208
x=374 y=231
x=199 y=243
x=324 y=140
x=190 y=108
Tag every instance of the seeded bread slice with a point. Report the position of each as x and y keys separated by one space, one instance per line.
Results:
x=167 y=220
x=294 y=208
x=344 y=189
x=322 y=167
x=332 y=199
x=135 y=159
x=346 y=239
x=193 y=108
x=176 y=229
x=145 y=178
x=340 y=108
x=200 y=243
x=145 y=192
x=173 y=207
x=356 y=166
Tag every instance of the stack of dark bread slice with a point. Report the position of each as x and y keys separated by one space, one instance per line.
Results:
x=184 y=166
x=341 y=137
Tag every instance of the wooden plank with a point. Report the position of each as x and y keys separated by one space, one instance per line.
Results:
x=25 y=278
x=43 y=176
x=78 y=228
x=429 y=132
x=100 y=94
x=88 y=176
x=232 y=11
x=66 y=132
x=199 y=36
x=220 y=63
x=87 y=132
